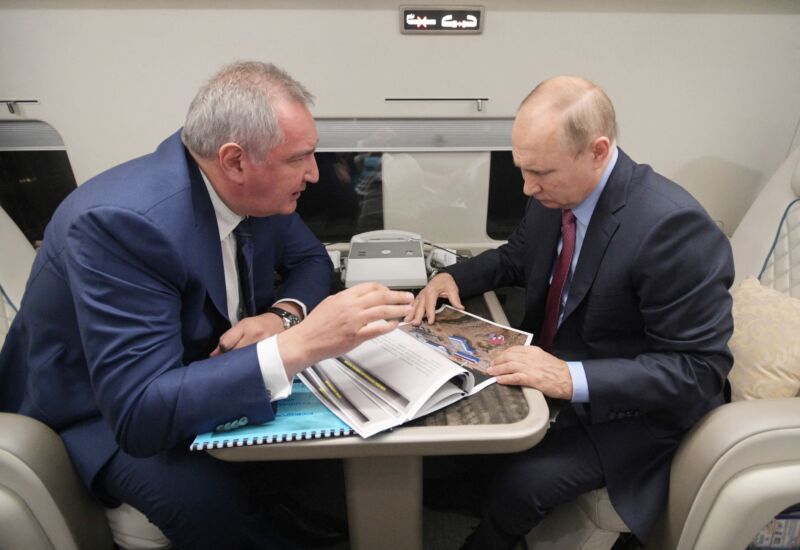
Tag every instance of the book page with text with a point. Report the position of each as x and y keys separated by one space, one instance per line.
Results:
x=405 y=367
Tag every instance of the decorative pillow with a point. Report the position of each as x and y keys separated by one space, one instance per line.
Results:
x=765 y=342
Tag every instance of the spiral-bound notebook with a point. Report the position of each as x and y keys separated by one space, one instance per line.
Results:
x=300 y=416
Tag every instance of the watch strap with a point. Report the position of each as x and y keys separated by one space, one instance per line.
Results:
x=289 y=319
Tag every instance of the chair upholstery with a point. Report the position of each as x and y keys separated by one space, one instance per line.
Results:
x=43 y=502
x=740 y=466
x=588 y=523
x=18 y=256
x=735 y=471
x=13 y=273
x=131 y=529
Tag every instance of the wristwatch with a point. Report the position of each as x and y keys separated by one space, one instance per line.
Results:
x=289 y=319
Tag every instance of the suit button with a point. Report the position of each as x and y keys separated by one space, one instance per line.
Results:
x=243 y=421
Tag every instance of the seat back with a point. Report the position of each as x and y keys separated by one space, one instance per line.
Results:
x=766 y=244
x=43 y=502
x=18 y=256
x=740 y=465
x=781 y=269
x=733 y=473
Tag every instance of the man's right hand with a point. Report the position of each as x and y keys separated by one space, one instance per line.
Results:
x=441 y=286
x=341 y=322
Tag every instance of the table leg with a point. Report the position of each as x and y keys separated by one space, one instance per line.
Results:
x=384 y=502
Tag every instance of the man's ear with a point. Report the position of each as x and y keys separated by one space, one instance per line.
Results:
x=231 y=160
x=601 y=148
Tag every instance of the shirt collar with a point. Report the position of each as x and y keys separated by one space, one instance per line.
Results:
x=227 y=219
x=583 y=212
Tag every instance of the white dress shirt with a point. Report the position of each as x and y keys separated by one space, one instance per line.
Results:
x=269 y=358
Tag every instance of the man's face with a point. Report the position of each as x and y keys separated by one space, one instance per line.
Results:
x=552 y=175
x=274 y=183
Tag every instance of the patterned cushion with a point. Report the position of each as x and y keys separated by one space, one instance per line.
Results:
x=765 y=342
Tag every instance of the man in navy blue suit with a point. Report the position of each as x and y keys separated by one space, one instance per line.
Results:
x=626 y=288
x=135 y=332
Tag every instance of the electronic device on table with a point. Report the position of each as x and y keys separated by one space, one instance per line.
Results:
x=390 y=257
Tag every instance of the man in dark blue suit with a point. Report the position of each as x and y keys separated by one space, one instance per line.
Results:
x=135 y=332
x=626 y=287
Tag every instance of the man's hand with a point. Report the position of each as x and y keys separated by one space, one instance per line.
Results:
x=533 y=367
x=441 y=286
x=341 y=322
x=248 y=331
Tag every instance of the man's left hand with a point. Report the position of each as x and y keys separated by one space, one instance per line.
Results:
x=533 y=367
x=248 y=331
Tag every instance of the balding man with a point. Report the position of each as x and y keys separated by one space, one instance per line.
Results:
x=626 y=281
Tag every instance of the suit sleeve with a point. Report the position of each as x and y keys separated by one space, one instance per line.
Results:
x=127 y=281
x=502 y=266
x=681 y=274
x=304 y=265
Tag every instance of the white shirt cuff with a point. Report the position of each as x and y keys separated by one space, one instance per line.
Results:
x=272 y=370
x=580 y=386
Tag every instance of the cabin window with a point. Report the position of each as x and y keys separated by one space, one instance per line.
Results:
x=427 y=170
x=347 y=199
x=506 y=200
x=35 y=174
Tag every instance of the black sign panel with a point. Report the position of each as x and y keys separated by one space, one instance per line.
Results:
x=443 y=19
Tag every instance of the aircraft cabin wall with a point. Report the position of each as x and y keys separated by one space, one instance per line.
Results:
x=707 y=92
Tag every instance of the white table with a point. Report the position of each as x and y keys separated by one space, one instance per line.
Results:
x=383 y=474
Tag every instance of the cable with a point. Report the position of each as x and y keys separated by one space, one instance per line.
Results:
x=7 y=299
x=461 y=256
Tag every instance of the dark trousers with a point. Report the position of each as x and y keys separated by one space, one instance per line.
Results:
x=196 y=500
x=526 y=486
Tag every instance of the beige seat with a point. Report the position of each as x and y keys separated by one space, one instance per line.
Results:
x=740 y=466
x=43 y=502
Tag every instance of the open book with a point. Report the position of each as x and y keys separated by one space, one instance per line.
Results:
x=412 y=371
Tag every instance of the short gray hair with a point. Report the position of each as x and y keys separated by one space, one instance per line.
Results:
x=587 y=112
x=236 y=105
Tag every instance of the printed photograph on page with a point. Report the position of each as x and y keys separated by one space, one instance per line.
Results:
x=467 y=339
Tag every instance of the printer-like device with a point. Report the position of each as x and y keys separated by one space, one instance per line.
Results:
x=393 y=258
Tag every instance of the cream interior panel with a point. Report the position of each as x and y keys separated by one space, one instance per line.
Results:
x=707 y=92
x=428 y=192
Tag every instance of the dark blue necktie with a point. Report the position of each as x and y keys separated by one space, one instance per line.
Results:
x=244 y=264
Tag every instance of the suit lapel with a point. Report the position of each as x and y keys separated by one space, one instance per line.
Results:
x=542 y=231
x=601 y=229
x=206 y=240
x=547 y=232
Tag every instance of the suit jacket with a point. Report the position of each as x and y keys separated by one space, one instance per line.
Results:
x=126 y=300
x=648 y=313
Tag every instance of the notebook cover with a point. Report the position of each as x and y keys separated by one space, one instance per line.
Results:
x=300 y=416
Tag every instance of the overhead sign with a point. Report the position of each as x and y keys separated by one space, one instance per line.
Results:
x=441 y=19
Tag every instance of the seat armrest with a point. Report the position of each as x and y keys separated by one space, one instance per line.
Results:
x=734 y=471
x=36 y=471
